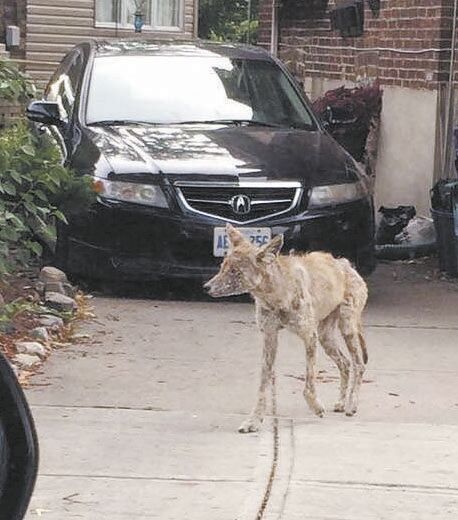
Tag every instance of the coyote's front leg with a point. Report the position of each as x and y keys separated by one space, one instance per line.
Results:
x=310 y=338
x=253 y=423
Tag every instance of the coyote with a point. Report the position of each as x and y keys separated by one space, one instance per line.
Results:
x=314 y=295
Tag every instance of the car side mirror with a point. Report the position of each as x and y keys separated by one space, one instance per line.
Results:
x=44 y=112
x=18 y=447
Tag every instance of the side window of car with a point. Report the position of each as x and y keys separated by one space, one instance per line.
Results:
x=65 y=82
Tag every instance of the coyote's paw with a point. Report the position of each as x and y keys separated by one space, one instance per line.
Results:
x=350 y=409
x=253 y=424
x=339 y=407
x=319 y=410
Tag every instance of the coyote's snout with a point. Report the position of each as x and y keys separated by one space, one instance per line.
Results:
x=315 y=296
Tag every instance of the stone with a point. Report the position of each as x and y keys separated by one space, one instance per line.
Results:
x=51 y=322
x=26 y=360
x=51 y=274
x=40 y=333
x=57 y=287
x=59 y=302
x=69 y=290
x=32 y=348
x=54 y=280
x=60 y=287
x=9 y=328
x=40 y=288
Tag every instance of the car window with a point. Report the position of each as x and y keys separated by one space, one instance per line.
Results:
x=64 y=84
x=175 y=89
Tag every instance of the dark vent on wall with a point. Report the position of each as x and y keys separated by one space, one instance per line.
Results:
x=303 y=9
x=348 y=18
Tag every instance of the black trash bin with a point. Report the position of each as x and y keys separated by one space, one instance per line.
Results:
x=447 y=247
x=444 y=203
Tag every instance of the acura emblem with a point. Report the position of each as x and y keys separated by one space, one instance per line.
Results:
x=241 y=204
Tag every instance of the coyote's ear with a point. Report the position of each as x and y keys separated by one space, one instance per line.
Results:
x=235 y=237
x=271 y=249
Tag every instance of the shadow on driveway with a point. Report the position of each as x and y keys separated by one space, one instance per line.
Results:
x=164 y=290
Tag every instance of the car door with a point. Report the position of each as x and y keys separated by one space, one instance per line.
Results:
x=18 y=446
x=64 y=89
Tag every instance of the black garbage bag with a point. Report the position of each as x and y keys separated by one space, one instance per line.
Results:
x=393 y=221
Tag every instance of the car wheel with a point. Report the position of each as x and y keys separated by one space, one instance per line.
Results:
x=61 y=261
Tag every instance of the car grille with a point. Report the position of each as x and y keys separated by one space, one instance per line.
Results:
x=244 y=203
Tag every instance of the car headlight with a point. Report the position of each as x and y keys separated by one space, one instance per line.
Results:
x=146 y=194
x=337 y=194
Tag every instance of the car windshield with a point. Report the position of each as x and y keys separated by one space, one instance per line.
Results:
x=179 y=90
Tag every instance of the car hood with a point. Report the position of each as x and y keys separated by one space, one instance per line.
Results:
x=223 y=153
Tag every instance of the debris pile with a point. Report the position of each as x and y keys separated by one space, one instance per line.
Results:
x=402 y=235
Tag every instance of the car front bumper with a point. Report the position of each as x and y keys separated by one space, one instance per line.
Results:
x=118 y=241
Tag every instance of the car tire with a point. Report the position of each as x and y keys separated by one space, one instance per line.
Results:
x=366 y=261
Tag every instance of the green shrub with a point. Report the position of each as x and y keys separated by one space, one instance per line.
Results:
x=35 y=190
x=15 y=86
x=16 y=308
x=220 y=20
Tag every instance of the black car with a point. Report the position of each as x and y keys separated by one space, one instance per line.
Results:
x=181 y=138
x=18 y=447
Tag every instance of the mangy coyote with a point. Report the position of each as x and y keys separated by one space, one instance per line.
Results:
x=315 y=296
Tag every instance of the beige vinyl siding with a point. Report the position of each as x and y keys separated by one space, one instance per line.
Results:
x=53 y=27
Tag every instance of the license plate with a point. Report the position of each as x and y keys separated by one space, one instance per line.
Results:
x=257 y=236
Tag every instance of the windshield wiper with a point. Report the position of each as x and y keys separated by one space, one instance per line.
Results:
x=121 y=122
x=236 y=122
x=240 y=122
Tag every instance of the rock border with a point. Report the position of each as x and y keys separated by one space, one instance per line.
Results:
x=61 y=306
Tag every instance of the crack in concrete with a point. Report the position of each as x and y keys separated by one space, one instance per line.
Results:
x=152 y=479
x=153 y=409
x=292 y=459
x=105 y=407
x=409 y=327
x=273 y=468
x=379 y=485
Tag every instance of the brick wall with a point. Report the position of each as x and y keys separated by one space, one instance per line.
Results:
x=405 y=46
x=265 y=22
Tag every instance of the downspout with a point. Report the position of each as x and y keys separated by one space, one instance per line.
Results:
x=274 y=29
x=449 y=105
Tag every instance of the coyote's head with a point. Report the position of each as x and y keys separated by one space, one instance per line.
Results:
x=244 y=267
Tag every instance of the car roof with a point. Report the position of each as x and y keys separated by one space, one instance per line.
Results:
x=195 y=47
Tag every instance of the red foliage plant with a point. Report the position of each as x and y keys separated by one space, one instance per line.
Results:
x=361 y=103
x=353 y=110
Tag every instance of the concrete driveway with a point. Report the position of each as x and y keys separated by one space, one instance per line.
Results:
x=139 y=421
